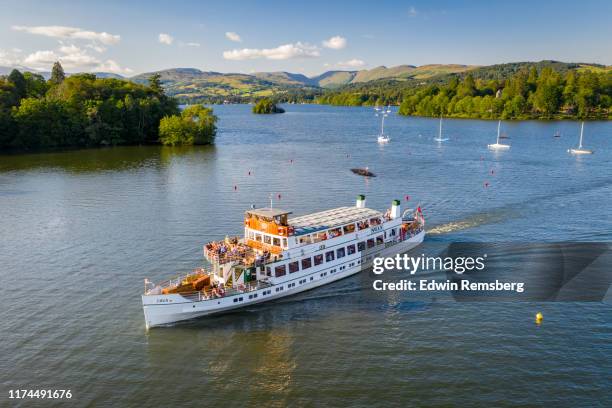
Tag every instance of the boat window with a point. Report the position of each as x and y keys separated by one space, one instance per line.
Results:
x=361 y=246
x=251 y=235
x=336 y=232
x=258 y=237
x=268 y=271
x=340 y=253
x=371 y=243
x=305 y=239
x=267 y=239
x=321 y=236
x=380 y=240
x=375 y=221
x=349 y=228
x=294 y=267
x=393 y=232
x=318 y=259
x=276 y=241
x=280 y=271
x=363 y=225
x=329 y=256
x=350 y=249
x=306 y=263
x=284 y=242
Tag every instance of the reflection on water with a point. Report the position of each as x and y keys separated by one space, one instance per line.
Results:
x=82 y=229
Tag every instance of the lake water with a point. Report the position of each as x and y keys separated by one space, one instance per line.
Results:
x=82 y=229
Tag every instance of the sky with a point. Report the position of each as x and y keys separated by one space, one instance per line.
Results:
x=308 y=37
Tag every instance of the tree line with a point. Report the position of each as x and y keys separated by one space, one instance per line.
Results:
x=526 y=93
x=84 y=111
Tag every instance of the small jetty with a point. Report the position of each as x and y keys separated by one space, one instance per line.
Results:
x=363 y=172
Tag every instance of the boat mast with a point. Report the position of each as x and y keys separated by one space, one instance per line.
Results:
x=440 y=132
x=581 y=130
x=498 y=127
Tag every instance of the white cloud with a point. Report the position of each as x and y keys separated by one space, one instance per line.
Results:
x=352 y=63
x=282 y=52
x=335 y=43
x=233 y=36
x=70 y=33
x=9 y=58
x=96 y=48
x=165 y=39
x=412 y=12
x=112 y=66
x=192 y=44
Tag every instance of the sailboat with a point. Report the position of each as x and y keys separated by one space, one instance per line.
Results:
x=557 y=134
x=580 y=150
x=497 y=145
x=439 y=139
x=384 y=112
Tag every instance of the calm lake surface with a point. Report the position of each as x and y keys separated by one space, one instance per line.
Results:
x=82 y=229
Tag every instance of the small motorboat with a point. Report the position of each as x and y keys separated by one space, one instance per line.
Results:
x=363 y=172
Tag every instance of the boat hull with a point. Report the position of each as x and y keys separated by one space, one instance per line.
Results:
x=162 y=310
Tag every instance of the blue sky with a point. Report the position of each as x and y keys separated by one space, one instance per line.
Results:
x=305 y=37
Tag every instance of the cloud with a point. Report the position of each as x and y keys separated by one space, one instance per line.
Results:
x=412 y=12
x=165 y=39
x=282 y=52
x=352 y=63
x=192 y=44
x=72 y=33
x=233 y=36
x=335 y=43
x=72 y=59
x=9 y=58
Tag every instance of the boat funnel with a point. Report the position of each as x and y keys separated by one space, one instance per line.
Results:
x=360 y=201
x=396 y=209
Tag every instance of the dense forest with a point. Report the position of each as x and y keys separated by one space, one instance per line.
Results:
x=508 y=91
x=79 y=110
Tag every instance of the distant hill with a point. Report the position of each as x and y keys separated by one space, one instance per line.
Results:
x=47 y=74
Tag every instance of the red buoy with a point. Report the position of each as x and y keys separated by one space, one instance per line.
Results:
x=407 y=198
x=492 y=171
x=486 y=184
x=235 y=188
x=279 y=196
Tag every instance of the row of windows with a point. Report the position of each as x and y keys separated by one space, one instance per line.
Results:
x=336 y=232
x=306 y=263
x=253 y=295
x=267 y=239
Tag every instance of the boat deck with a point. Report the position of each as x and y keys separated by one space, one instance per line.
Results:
x=331 y=218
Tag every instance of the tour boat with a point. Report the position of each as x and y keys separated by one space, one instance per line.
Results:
x=497 y=145
x=439 y=139
x=384 y=112
x=580 y=149
x=281 y=256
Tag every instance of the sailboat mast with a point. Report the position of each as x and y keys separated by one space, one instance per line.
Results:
x=498 y=127
x=440 y=132
x=581 y=130
x=382 y=124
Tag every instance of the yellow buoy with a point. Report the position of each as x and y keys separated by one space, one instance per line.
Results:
x=539 y=317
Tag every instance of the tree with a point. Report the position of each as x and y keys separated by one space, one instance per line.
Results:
x=195 y=125
x=155 y=84
x=57 y=74
x=19 y=82
x=266 y=106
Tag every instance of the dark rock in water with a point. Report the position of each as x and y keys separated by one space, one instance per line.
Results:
x=363 y=172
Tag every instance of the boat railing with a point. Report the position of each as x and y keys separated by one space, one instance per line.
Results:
x=217 y=293
x=156 y=289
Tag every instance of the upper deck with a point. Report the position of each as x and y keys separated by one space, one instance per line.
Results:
x=333 y=218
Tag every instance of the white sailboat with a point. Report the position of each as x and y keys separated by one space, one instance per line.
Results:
x=383 y=112
x=439 y=139
x=497 y=145
x=580 y=149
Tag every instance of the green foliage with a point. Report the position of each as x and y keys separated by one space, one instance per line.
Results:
x=57 y=74
x=544 y=94
x=80 y=110
x=195 y=125
x=266 y=106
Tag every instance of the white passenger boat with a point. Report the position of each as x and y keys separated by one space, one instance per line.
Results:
x=281 y=256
